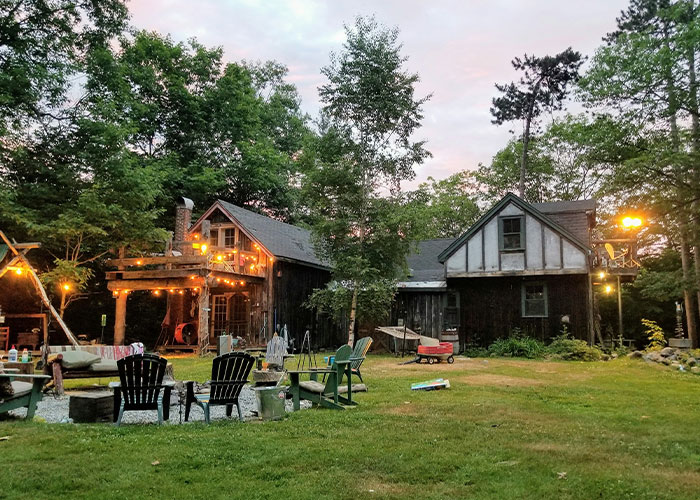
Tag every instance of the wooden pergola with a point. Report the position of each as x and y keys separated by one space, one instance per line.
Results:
x=17 y=254
x=171 y=274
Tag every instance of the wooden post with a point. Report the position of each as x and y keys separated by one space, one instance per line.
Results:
x=203 y=323
x=589 y=315
x=120 y=308
x=120 y=319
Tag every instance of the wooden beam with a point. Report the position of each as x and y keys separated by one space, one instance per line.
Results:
x=27 y=246
x=154 y=274
x=537 y=272
x=235 y=276
x=147 y=261
x=154 y=284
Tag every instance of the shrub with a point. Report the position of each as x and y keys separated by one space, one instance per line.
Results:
x=570 y=349
x=517 y=345
x=655 y=334
x=476 y=352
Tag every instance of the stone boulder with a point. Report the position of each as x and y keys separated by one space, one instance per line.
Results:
x=635 y=355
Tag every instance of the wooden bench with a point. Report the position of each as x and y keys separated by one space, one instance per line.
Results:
x=106 y=368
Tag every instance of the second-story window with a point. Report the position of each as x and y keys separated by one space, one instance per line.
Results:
x=512 y=233
x=214 y=238
x=229 y=237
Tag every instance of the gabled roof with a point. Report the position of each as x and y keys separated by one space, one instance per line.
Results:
x=424 y=263
x=283 y=240
x=525 y=207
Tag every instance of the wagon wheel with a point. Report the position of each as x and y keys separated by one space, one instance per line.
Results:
x=431 y=361
x=451 y=359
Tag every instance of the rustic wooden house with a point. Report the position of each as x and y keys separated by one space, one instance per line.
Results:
x=524 y=266
x=232 y=272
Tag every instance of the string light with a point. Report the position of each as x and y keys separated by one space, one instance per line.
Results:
x=66 y=286
x=139 y=262
x=18 y=271
x=156 y=292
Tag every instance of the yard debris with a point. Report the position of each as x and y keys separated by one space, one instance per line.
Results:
x=431 y=385
x=561 y=475
x=4 y=438
x=157 y=462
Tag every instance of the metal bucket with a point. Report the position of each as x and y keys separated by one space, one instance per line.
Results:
x=271 y=402
x=452 y=337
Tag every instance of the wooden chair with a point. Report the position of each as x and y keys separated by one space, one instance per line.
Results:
x=25 y=394
x=359 y=353
x=141 y=386
x=229 y=373
x=331 y=394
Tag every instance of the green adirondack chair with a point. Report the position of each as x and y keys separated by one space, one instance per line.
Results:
x=358 y=355
x=25 y=394
x=332 y=393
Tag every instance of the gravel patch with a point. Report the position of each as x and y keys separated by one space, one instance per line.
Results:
x=54 y=409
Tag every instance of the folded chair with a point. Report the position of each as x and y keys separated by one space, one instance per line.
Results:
x=229 y=373
x=141 y=386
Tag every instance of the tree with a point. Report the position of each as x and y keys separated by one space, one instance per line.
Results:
x=42 y=45
x=443 y=208
x=646 y=72
x=367 y=150
x=542 y=87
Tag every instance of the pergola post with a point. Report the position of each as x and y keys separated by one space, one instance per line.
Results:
x=203 y=320
x=120 y=319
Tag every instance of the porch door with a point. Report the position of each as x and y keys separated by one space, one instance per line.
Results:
x=219 y=315
x=239 y=318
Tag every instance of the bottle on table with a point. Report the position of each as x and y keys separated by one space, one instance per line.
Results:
x=12 y=355
x=25 y=356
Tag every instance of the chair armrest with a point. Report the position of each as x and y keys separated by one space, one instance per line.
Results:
x=23 y=375
x=114 y=385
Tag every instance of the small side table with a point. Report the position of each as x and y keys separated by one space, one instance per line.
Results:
x=91 y=406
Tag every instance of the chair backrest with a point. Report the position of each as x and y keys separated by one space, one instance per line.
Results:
x=360 y=351
x=141 y=377
x=229 y=373
x=276 y=349
x=344 y=353
x=4 y=336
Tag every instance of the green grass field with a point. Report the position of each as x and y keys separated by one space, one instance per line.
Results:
x=506 y=429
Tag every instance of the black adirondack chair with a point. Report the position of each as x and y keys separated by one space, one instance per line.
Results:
x=141 y=386
x=229 y=373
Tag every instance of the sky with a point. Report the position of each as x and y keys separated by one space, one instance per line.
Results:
x=460 y=49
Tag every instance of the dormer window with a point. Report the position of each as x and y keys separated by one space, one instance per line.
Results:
x=511 y=229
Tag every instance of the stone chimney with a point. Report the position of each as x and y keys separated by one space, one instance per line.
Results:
x=183 y=219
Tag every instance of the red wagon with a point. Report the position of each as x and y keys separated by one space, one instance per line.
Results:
x=440 y=352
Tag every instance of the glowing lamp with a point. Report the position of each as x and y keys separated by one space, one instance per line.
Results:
x=139 y=262
x=252 y=267
x=204 y=248
x=66 y=286
x=631 y=222
x=601 y=275
x=608 y=289
x=195 y=245
x=219 y=258
x=242 y=282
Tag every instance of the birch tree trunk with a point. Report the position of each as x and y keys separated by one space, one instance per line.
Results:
x=353 y=315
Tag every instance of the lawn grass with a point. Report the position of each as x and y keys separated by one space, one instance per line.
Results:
x=506 y=429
